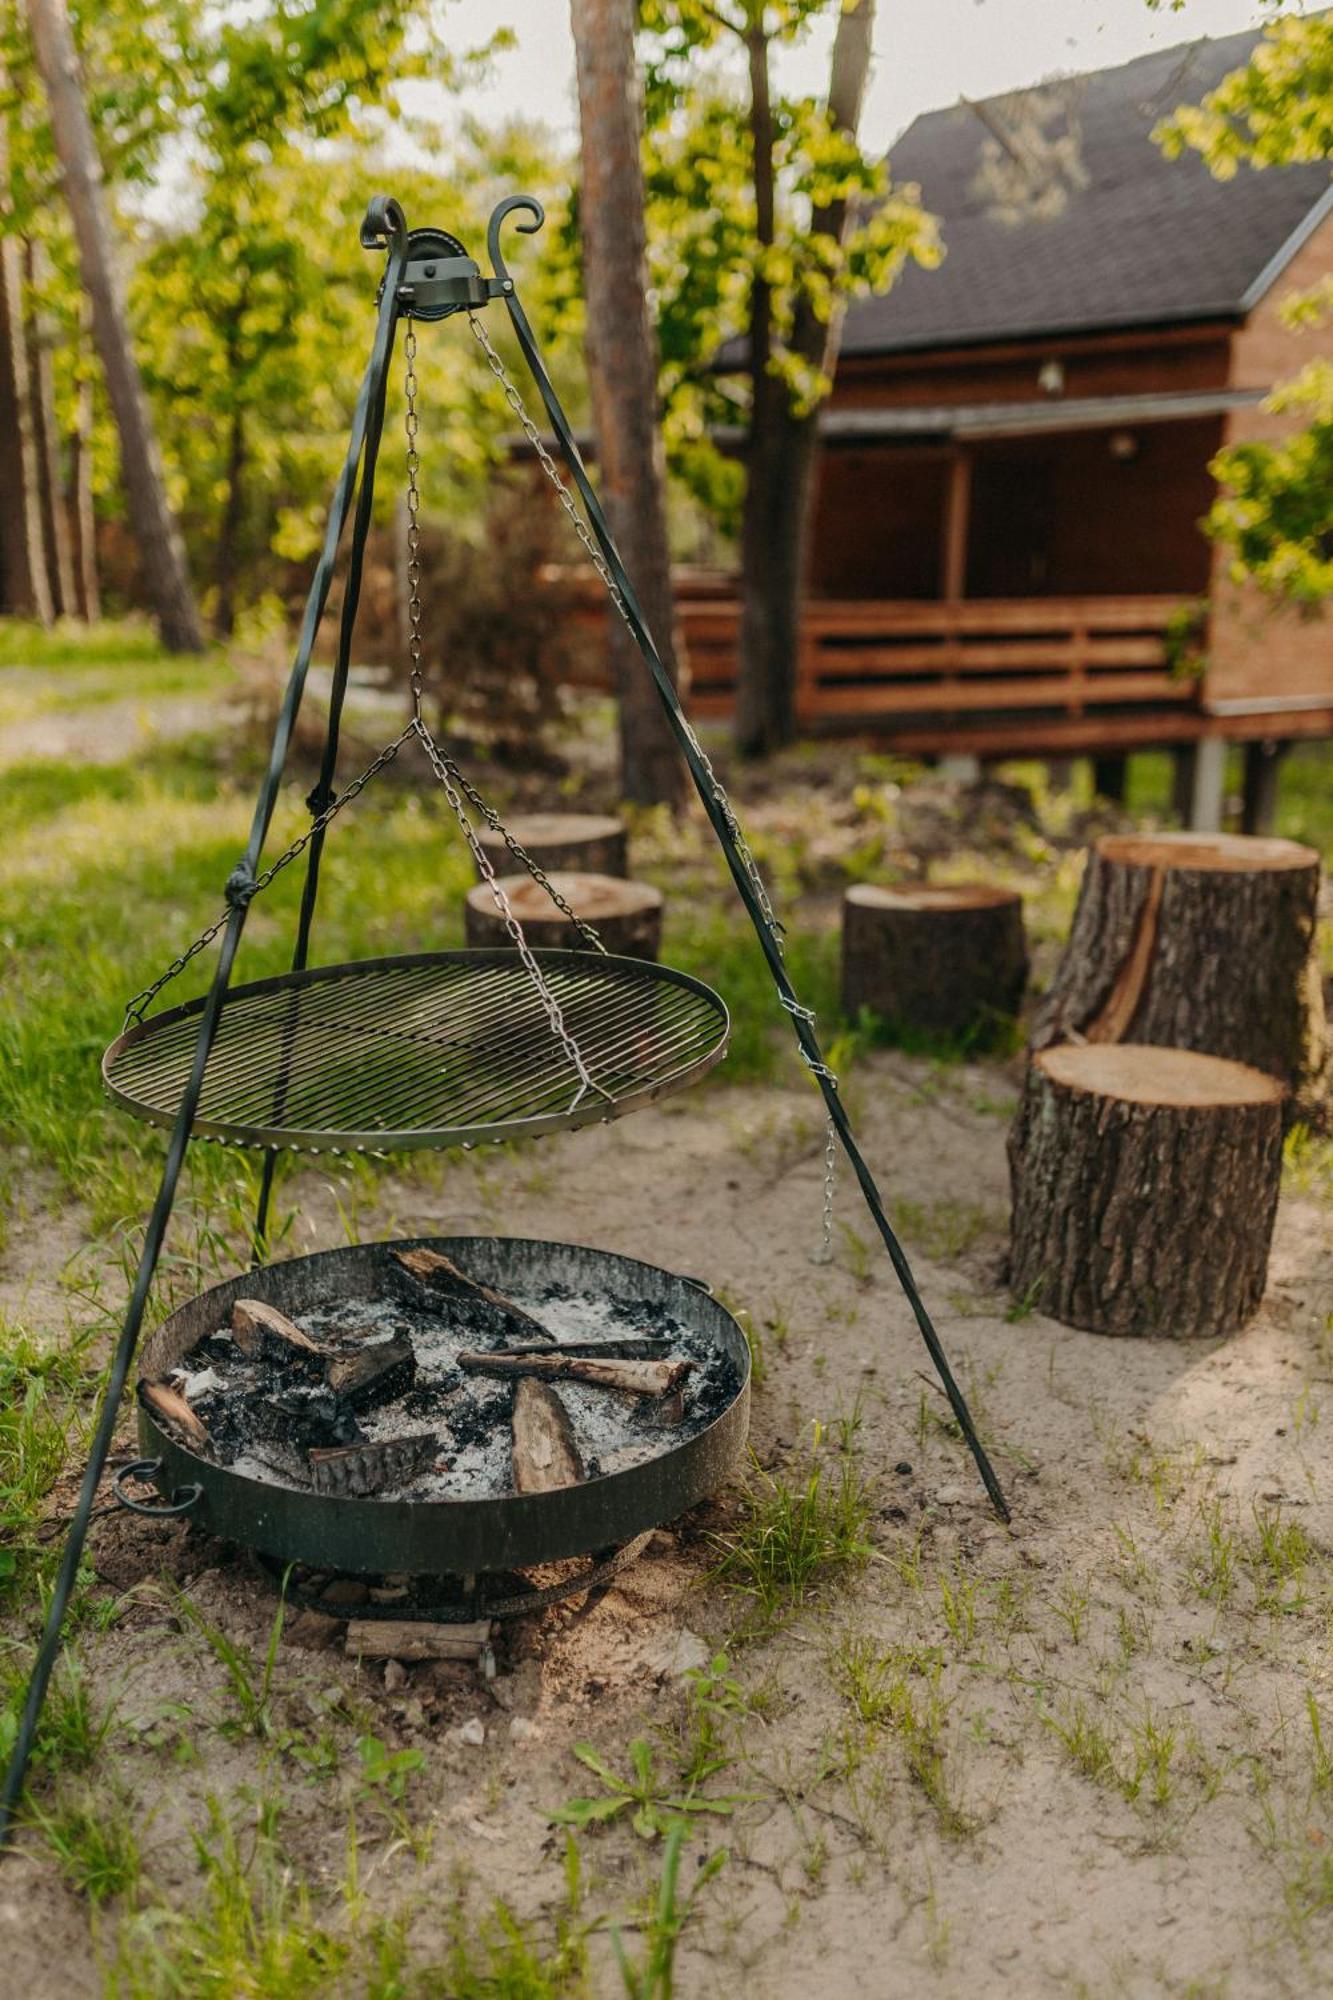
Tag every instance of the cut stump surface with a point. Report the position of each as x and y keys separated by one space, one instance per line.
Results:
x=1145 y=1185
x=589 y=843
x=627 y=916
x=1196 y=941
x=940 y=958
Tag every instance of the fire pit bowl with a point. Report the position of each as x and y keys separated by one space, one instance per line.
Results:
x=458 y=1536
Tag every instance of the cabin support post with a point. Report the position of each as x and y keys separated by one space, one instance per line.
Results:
x=953 y=546
x=1263 y=767
x=1210 y=768
x=1183 y=761
x=1110 y=777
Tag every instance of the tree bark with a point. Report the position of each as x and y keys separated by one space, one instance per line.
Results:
x=229 y=529
x=56 y=540
x=946 y=960
x=1145 y=1183
x=24 y=587
x=622 y=369
x=141 y=468
x=589 y=843
x=627 y=916
x=783 y=443
x=1196 y=941
x=80 y=510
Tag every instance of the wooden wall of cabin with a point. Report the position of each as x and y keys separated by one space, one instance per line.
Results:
x=1056 y=515
x=1156 y=361
x=1256 y=650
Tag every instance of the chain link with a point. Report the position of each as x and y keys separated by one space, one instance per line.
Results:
x=613 y=591
x=141 y=1002
x=824 y=1253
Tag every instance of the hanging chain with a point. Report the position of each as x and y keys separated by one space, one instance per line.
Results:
x=824 y=1253
x=451 y=778
x=613 y=591
x=141 y=1002
x=414 y=651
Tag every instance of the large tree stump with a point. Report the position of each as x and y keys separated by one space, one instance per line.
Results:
x=1196 y=941
x=627 y=916
x=587 y=843
x=1145 y=1182
x=941 y=958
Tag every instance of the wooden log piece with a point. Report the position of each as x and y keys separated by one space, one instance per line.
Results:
x=373 y=1373
x=589 y=843
x=1196 y=941
x=411 y=1639
x=429 y=1279
x=170 y=1408
x=945 y=958
x=1145 y=1183
x=256 y=1325
x=359 y=1471
x=545 y=1455
x=627 y=916
x=631 y=1378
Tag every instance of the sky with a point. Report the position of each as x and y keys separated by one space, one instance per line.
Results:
x=928 y=52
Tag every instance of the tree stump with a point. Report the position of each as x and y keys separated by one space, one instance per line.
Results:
x=1145 y=1183
x=941 y=958
x=627 y=916
x=1196 y=941
x=588 y=843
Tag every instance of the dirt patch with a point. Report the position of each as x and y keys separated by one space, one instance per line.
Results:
x=1094 y=1771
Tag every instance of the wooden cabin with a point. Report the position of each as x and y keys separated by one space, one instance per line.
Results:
x=1007 y=556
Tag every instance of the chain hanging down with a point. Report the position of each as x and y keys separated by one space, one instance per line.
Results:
x=823 y=1254
x=454 y=784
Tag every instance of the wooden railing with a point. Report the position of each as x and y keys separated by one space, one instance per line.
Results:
x=909 y=664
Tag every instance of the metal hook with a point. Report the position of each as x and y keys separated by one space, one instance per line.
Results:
x=384 y=226
x=530 y=205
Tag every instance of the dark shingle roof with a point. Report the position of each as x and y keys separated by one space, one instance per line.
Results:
x=1144 y=240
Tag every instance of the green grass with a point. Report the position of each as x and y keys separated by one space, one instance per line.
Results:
x=793 y=1539
x=122 y=642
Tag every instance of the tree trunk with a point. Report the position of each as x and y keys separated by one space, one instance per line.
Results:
x=1145 y=1183
x=589 y=843
x=141 y=467
x=1196 y=941
x=24 y=587
x=627 y=916
x=229 y=529
x=946 y=960
x=56 y=540
x=783 y=443
x=622 y=370
x=80 y=511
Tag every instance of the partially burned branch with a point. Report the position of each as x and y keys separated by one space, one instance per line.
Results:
x=545 y=1454
x=258 y=1327
x=402 y=1639
x=429 y=1279
x=373 y=1373
x=171 y=1408
x=632 y=1378
x=358 y=1471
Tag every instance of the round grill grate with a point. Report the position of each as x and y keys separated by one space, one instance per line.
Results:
x=439 y=1049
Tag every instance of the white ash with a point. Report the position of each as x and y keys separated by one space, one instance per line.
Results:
x=612 y=1432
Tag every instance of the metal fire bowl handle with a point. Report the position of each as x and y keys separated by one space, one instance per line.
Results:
x=144 y=1469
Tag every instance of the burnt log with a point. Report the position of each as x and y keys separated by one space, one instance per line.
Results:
x=373 y=1373
x=171 y=1409
x=627 y=916
x=589 y=843
x=433 y=1282
x=545 y=1455
x=945 y=959
x=260 y=1329
x=1145 y=1184
x=358 y=1471
x=1196 y=941
x=631 y=1378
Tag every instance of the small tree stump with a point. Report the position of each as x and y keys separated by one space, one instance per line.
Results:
x=588 y=843
x=1196 y=941
x=627 y=916
x=942 y=958
x=1145 y=1182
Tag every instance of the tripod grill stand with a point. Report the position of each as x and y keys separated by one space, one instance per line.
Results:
x=325 y=1079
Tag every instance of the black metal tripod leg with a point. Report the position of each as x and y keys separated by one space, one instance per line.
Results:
x=802 y=1021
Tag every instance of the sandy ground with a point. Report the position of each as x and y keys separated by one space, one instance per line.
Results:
x=1129 y=1597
